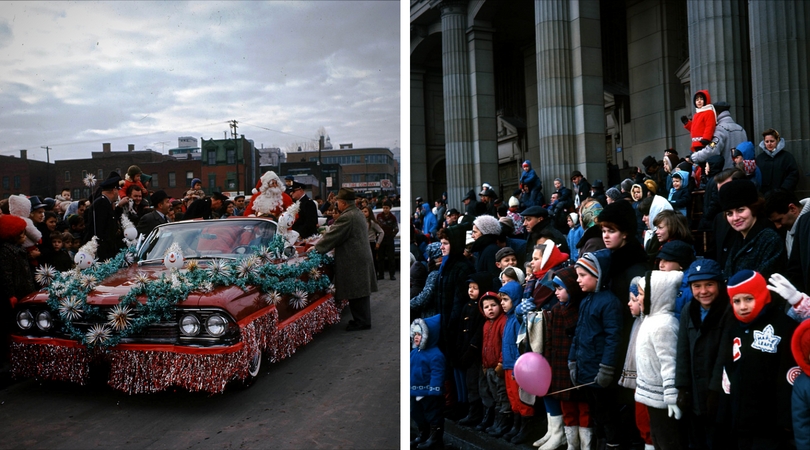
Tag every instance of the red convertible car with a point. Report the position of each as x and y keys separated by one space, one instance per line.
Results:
x=197 y=305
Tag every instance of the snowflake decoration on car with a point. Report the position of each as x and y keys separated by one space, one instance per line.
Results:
x=331 y=288
x=218 y=268
x=314 y=273
x=299 y=299
x=273 y=298
x=265 y=254
x=45 y=274
x=192 y=265
x=205 y=287
x=70 y=308
x=119 y=317
x=248 y=266
x=88 y=282
x=90 y=180
x=141 y=278
x=97 y=334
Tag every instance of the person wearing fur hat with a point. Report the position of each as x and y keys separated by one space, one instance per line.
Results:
x=427 y=366
x=754 y=244
x=269 y=198
x=656 y=348
x=485 y=231
x=595 y=350
x=132 y=178
x=704 y=322
x=355 y=276
x=757 y=363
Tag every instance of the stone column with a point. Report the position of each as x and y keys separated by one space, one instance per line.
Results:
x=570 y=95
x=484 y=124
x=719 y=57
x=418 y=149
x=457 y=109
x=780 y=68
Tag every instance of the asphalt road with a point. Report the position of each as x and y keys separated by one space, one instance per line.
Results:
x=339 y=391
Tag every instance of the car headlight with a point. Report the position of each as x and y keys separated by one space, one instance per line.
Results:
x=24 y=319
x=44 y=321
x=190 y=325
x=216 y=325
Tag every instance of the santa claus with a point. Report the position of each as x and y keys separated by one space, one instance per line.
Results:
x=269 y=198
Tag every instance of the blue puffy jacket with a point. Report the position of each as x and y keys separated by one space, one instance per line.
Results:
x=427 y=361
x=429 y=221
x=509 y=348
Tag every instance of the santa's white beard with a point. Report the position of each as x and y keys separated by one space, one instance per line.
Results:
x=268 y=201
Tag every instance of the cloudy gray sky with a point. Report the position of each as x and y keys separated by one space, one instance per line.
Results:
x=75 y=75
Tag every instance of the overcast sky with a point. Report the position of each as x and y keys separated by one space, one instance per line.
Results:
x=75 y=75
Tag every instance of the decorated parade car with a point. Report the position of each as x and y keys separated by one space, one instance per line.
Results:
x=195 y=304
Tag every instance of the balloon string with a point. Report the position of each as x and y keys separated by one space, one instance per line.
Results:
x=575 y=387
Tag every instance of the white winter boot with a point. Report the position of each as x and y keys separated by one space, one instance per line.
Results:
x=572 y=436
x=557 y=437
x=585 y=438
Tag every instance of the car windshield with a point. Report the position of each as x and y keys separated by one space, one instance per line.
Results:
x=231 y=238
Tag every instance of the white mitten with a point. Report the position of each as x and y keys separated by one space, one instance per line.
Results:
x=779 y=284
x=674 y=411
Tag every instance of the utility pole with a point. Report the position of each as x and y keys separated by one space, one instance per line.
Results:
x=321 y=179
x=48 y=168
x=236 y=151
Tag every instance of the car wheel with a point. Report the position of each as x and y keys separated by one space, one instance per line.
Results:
x=255 y=365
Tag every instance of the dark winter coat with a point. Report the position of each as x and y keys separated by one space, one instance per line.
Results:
x=798 y=267
x=583 y=190
x=451 y=290
x=485 y=247
x=355 y=275
x=591 y=240
x=427 y=361
x=17 y=280
x=779 y=169
x=471 y=330
x=699 y=367
x=711 y=198
x=760 y=391
x=598 y=332
x=106 y=227
x=762 y=250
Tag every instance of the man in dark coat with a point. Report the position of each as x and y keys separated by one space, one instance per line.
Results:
x=307 y=222
x=388 y=222
x=102 y=218
x=355 y=277
x=149 y=221
x=206 y=208
x=582 y=189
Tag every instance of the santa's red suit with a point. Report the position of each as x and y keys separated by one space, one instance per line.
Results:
x=268 y=198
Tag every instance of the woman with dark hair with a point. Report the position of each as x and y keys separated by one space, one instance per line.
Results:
x=754 y=244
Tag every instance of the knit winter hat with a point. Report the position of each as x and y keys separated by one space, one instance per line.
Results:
x=11 y=227
x=749 y=282
x=737 y=193
x=589 y=214
x=613 y=194
x=487 y=225
x=195 y=181
x=589 y=263
x=513 y=201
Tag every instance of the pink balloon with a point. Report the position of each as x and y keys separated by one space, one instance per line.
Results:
x=533 y=373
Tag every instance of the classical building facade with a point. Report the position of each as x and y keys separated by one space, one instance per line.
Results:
x=574 y=84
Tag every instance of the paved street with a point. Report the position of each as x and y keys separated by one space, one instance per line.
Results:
x=339 y=391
